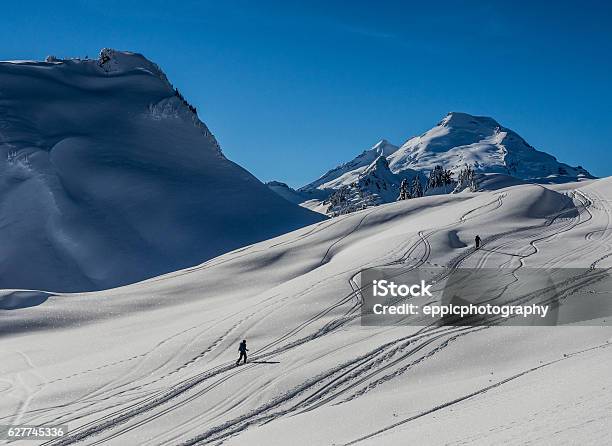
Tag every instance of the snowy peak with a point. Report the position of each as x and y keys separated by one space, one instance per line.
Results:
x=465 y=120
x=111 y=61
x=378 y=168
x=383 y=148
x=348 y=173
x=379 y=181
x=107 y=177
x=107 y=77
x=122 y=61
x=461 y=139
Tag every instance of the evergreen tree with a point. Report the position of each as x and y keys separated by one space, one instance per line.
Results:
x=467 y=179
x=404 y=191
x=447 y=177
x=439 y=177
x=435 y=178
x=416 y=189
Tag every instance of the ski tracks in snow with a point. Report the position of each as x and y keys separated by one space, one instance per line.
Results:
x=347 y=381
x=476 y=393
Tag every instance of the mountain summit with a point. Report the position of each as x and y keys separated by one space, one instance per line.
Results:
x=349 y=172
x=461 y=139
x=108 y=177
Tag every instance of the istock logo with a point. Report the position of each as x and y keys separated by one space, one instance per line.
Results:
x=383 y=288
x=485 y=297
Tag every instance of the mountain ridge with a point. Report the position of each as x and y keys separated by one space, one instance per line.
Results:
x=459 y=141
x=108 y=176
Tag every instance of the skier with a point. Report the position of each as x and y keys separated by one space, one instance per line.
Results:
x=477 y=241
x=242 y=349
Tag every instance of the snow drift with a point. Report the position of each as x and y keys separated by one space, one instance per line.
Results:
x=107 y=176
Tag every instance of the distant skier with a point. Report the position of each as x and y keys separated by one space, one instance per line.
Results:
x=477 y=241
x=242 y=349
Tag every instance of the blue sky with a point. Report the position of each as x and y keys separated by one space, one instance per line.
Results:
x=292 y=89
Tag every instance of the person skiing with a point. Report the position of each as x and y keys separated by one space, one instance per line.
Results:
x=242 y=349
x=477 y=241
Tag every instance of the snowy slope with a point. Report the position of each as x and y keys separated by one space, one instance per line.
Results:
x=288 y=193
x=153 y=363
x=107 y=176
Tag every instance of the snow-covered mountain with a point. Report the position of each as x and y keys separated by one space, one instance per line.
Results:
x=362 y=182
x=348 y=173
x=375 y=185
x=107 y=176
x=458 y=141
x=461 y=139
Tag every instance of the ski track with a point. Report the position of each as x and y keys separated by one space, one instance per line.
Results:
x=476 y=393
x=422 y=240
x=445 y=343
x=151 y=402
x=541 y=236
x=88 y=399
x=357 y=376
x=336 y=323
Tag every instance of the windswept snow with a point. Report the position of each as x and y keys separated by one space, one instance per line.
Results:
x=153 y=363
x=107 y=176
